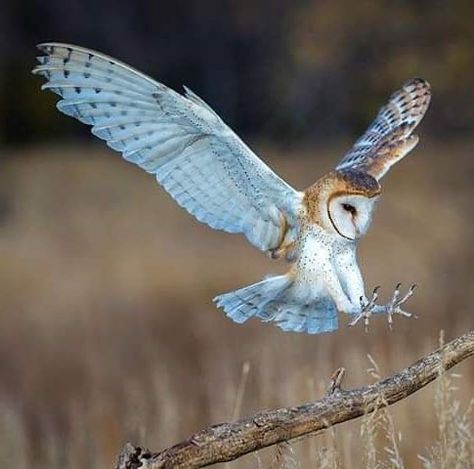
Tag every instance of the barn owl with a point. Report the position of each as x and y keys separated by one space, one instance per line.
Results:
x=217 y=178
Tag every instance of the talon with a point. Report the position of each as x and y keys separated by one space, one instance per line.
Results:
x=409 y=293
x=412 y=289
x=365 y=310
x=355 y=320
x=406 y=314
x=403 y=313
x=363 y=314
x=374 y=298
x=391 y=308
x=396 y=293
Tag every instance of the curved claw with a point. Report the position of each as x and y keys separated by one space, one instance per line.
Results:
x=363 y=314
x=375 y=295
x=396 y=293
x=366 y=308
x=409 y=293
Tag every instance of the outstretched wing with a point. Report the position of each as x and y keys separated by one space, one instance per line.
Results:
x=389 y=138
x=194 y=155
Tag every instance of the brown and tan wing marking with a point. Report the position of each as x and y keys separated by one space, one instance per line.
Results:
x=389 y=138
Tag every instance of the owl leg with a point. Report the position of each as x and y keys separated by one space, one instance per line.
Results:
x=366 y=309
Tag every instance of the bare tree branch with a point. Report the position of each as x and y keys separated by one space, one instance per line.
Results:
x=228 y=441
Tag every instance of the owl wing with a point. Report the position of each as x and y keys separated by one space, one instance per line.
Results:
x=389 y=138
x=194 y=155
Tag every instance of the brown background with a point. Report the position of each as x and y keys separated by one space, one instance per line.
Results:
x=107 y=330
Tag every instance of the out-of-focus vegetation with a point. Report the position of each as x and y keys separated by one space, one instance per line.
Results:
x=272 y=68
x=108 y=332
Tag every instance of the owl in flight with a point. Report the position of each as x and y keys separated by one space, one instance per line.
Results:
x=217 y=178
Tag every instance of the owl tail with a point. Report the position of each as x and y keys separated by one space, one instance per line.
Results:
x=277 y=300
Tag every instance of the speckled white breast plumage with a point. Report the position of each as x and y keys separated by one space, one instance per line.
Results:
x=211 y=173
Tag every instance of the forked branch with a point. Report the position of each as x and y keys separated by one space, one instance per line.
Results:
x=228 y=441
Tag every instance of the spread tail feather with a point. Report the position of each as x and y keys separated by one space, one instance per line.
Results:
x=276 y=299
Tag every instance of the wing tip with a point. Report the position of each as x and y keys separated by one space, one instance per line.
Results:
x=418 y=85
x=406 y=108
x=47 y=45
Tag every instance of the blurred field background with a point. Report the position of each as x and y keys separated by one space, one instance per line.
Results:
x=107 y=330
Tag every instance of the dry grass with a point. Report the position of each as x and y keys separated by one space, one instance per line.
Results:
x=108 y=332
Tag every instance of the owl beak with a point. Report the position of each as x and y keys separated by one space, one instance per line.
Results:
x=357 y=232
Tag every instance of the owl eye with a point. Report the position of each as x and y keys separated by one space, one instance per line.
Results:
x=349 y=208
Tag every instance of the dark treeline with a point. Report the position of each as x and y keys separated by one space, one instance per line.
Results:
x=275 y=69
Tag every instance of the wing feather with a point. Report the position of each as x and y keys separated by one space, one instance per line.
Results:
x=389 y=138
x=194 y=155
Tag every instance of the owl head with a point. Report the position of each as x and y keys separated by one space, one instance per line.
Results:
x=342 y=202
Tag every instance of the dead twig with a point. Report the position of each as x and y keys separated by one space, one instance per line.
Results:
x=228 y=441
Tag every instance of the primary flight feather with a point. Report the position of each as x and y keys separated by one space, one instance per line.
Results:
x=217 y=178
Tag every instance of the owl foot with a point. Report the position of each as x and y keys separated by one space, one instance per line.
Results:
x=394 y=306
x=366 y=309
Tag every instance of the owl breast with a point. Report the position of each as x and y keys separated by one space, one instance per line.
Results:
x=314 y=261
